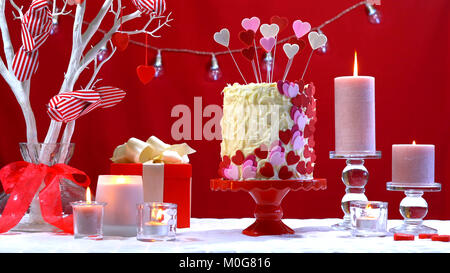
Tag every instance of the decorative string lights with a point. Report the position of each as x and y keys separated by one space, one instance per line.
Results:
x=214 y=72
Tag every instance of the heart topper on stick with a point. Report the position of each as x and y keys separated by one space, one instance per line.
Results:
x=252 y=25
x=248 y=38
x=270 y=31
x=223 y=38
x=291 y=50
x=316 y=41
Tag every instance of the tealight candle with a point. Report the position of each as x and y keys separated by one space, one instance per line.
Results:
x=88 y=218
x=354 y=113
x=156 y=221
x=369 y=218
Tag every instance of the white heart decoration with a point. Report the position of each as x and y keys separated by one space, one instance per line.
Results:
x=316 y=40
x=269 y=30
x=222 y=37
x=290 y=50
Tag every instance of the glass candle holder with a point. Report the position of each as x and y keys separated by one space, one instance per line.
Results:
x=156 y=221
x=88 y=219
x=369 y=218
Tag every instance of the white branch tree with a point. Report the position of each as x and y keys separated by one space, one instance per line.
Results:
x=84 y=53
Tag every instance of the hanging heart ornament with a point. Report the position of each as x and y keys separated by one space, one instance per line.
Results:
x=145 y=73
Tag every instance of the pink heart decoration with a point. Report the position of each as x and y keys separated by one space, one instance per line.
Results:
x=300 y=28
x=292 y=90
x=248 y=172
x=276 y=158
x=247 y=163
x=232 y=172
x=299 y=142
x=267 y=43
x=252 y=23
x=301 y=121
x=296 y=134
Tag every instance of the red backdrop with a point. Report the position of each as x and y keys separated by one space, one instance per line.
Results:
x=407 y=54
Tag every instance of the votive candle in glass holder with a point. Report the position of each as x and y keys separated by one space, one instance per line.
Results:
x=88 y=219
x=156 y=221
x=369 y=218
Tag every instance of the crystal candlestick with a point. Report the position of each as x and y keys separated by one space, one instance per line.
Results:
x=355 y=177
x=413 y=207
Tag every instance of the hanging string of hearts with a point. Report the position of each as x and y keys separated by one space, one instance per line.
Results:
x=268 y=43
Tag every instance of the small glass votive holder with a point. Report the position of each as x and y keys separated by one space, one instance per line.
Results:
x=368 y=218
x=88 y=219
x=156 y=221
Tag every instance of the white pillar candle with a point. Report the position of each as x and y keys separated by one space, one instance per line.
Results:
x=122 y=193
x=354 y=98
x=413 y=164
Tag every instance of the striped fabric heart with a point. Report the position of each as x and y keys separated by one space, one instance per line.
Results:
x=72 y=105
x=150 y=6
x=36 y=26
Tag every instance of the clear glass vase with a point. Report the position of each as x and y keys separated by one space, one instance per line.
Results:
x=48 y=154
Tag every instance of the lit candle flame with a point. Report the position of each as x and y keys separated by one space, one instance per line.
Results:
x=369 y=206
x=355 y=65
x=158 y=214
x=88 y=195
x=414 y=142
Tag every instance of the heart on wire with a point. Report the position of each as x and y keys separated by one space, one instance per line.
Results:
x=282 y=22
x=247 y=37
x=291 y=50
x=222 y=37
x=248 y=53
x=251 y=24
x=120 y=40
x=269 y=30
x=316 y=40
x=300 y=28
x=267 y=43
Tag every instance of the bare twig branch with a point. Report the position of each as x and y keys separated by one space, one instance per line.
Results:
x=97 y=68
x=7 y=45
x=151 y=33
x=19 y=10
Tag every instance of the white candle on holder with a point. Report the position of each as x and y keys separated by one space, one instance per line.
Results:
x=122 y=193
x=413 y=164
x=354 y=113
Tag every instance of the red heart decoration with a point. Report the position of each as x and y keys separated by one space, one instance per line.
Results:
x=301 y=167
x=266 y=170
x=252 y=158
x=309 y=167
x=249 y=53
x=301 y=44
x=262 y=151
x=306 y=152
x=311 y=142
x=300 y=100
x=120 y=40
x=145 y=73
x=310 y=90
x=313 y=156
x=310 y=111
x=284 y=173
x=282 y=22
x=285 y=136
x=292 y=158
x=301 y=85
x=238 y=158
x=309 y=131
x=226 y=161
x=247 y=37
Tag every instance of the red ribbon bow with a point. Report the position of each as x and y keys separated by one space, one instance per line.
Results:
x=22 y=180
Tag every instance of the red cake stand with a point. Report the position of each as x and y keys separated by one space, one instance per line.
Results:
x=268 y=195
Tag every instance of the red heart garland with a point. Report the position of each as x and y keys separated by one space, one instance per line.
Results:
x=266 y=170
x=248 y=53
x=282 y=22
x=247 y=37
x=292 y=158
x=120 y=40
x=262 y=151
x=284 y=173
x=145 y=73
x=238 y=158
x=285 y=136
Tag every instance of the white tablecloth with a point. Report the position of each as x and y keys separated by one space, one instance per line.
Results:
x=224 y=235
